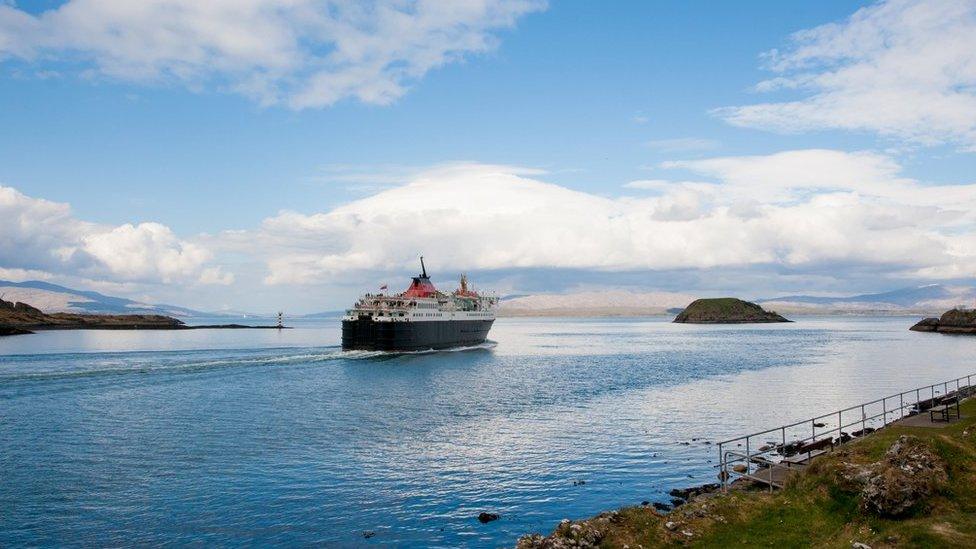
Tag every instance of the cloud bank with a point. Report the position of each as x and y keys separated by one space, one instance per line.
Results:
x=301 y=53
x=39 y=237
x=905 y=69
x=803 y=210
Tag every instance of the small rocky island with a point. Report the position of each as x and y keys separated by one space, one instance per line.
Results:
x=725 y=310
x=955 y=321
x=21 y=318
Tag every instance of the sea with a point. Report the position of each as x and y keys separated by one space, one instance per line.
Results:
x=267 y=437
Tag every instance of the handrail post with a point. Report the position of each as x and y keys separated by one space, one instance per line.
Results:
x=884 y=411
x=840 y=424
x=901 y=405
x=748 y=458
x=864 y=424
x=721 y=467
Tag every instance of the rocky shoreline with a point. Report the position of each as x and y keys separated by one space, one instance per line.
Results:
x=898 y=486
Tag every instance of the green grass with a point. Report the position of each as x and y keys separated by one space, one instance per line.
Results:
x=816 y=509
x=724 y=309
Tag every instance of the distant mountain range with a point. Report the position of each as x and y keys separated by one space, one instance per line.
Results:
x=932 y=298
x=52 y=298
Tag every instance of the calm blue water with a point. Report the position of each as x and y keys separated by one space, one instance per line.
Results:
x=261 y=437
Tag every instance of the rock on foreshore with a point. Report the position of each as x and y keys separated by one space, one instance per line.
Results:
x=585 y=534
x=908 y=474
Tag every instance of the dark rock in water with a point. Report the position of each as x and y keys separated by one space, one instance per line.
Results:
x=688 y=493
x=368 y=534
x=645 y=503
x=12 y=331
x=725 y=310
x=789 y=449
x=662 y=506
x=675 y=502
x=955 y=321
x=862 y=432
x=488 y=517
x=579 y=482
x=844 y=437
x=819 y=425
x=926 y=325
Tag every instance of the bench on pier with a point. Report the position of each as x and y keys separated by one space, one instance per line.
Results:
x=809 y=451
x=947 y=408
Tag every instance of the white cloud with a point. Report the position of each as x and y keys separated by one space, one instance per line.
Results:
x=664 y=185
x=303 y=53
x=905 y=69
x=793 y=176
x=767 y=210
x=40 y=236
x=20 y=275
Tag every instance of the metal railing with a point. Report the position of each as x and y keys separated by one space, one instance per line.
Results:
x=762 y=451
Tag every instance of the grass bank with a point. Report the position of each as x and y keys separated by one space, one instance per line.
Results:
x=819 y=507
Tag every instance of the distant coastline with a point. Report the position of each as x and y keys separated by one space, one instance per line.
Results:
x=18 y=318
x=619 y=312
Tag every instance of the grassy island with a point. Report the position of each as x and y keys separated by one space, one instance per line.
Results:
x=725 y=310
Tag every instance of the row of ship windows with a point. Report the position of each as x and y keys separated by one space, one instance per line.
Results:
x=428 y=314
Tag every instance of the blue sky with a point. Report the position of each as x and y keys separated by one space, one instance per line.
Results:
x=587 y=96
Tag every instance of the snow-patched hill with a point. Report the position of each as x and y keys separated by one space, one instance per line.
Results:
x=52 y=298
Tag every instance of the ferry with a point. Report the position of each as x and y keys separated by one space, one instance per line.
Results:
x=419 y=318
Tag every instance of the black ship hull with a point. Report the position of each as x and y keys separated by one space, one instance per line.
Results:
x=367 y=334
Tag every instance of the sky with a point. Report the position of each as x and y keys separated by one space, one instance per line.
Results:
x=291 y=154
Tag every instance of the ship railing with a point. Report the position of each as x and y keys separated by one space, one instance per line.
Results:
x=754 y=456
